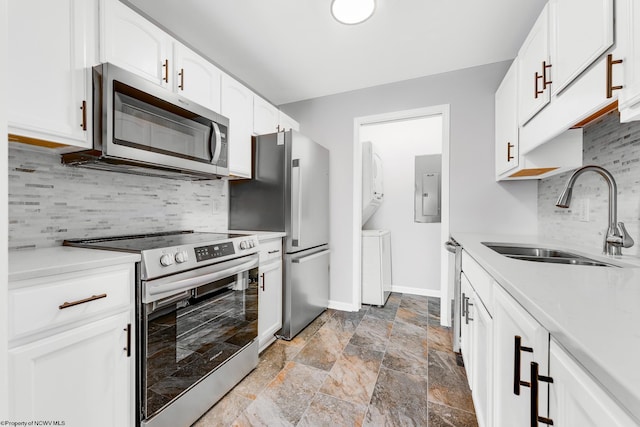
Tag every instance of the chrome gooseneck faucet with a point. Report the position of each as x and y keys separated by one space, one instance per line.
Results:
x=616 y=237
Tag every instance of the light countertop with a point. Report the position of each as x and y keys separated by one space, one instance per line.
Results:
x=593 y=312
x=31 y=264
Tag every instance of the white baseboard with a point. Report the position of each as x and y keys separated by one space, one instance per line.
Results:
x=416 y=291
x=342 y=306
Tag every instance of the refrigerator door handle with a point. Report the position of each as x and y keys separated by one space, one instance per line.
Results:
x=295 y=235
x=310 y=257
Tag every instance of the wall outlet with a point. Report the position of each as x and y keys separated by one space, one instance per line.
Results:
x=583 y=210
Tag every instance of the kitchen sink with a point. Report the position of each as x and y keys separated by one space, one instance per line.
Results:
x=529 y=253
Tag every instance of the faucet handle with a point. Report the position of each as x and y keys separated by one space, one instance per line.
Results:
x=627 y=241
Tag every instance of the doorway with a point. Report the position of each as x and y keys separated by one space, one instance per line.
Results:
x=418 y=258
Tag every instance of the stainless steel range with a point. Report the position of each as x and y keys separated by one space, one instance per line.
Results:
x=197 y=319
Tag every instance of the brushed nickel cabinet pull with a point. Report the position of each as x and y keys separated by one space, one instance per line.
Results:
x=166 y=70
x=464 y=305
x=181 y=74
x=262 y=286
x=535 y=378
x=275 y=251
x=545 y=82
x=128 y=347
x=82 y=301
x=469 y=319
x=84 y=115
x=518 y=347
x=610 y=86
x=509 y=147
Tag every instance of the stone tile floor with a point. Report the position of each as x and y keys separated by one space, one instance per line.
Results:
x=389 y=366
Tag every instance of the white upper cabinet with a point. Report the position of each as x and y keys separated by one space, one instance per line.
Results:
x=581 y=31
x=506 y=121
x=130 y=41
x=287 y=123
x=196 y=78
x=265 y=117
x=51 y=47
x=534 y=69
x=237 y=105
x=629 y=23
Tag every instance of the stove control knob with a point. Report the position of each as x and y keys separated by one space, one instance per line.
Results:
x=182 y=256
x=243 y=244
x=252 y=244
x=166 y=260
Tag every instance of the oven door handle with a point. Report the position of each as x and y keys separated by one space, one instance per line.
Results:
x=171 y=285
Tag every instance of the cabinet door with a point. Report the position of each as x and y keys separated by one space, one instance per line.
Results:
x=265 y=117
x=51 y=48
x=510 y=321
x=196 y=78
x=581 y=31
x=575 y=399
x=629 y=97
x=237 y=106
x=466 y=331
x=533 y=76
x=81 y=376
x=287 y=123
x=133 y=43
x=269 y=302
x=506 y=106
x=482 y=360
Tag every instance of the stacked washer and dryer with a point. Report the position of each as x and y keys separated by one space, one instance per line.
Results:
x=376 y=244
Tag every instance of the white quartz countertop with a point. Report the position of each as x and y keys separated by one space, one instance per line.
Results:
x=593 y=312
x=262 y=235
x=31 y=264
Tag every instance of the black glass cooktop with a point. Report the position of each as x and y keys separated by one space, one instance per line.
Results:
x=142 y=242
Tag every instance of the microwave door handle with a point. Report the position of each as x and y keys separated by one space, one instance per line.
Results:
x=215 y=152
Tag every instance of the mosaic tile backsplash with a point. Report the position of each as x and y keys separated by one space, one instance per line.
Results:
x=49 y=202
x=616 y=147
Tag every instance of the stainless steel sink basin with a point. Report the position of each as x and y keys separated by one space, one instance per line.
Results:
x=527 y=253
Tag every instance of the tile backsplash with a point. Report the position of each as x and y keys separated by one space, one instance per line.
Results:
x=49 y=202
x=616 y=147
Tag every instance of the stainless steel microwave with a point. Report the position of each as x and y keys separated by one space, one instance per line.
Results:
x=145 y=129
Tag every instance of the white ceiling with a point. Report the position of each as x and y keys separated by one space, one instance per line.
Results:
x=290 y=50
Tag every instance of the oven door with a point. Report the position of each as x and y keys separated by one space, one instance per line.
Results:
x=191 y=324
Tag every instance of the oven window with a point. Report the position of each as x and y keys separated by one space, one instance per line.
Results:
x=145 y=126
x=187 y=339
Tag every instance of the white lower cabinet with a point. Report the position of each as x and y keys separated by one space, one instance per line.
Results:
x=269 y=292
x=518 y=340
x=575 y=399
x=71 y=348
x=80 y=376
x=476 y=348
x=481 y=386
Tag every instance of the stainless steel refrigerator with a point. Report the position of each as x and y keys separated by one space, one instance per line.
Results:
x=290 y=192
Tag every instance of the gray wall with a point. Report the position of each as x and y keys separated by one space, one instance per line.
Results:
x=616 y=147
x=49 y=202
x=477 y=202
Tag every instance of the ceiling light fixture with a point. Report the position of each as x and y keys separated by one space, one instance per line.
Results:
x=352 y=11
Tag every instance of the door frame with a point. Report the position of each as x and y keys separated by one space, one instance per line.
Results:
x=437 y=110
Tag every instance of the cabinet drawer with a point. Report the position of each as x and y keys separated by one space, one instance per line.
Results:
x=270 y=249
x=480 y=280
x=45 y=303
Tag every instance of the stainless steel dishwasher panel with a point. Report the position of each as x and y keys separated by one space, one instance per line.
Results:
x=455 y=251
x=306 y=289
